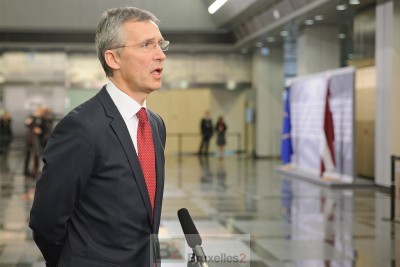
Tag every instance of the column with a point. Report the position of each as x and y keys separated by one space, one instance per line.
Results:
x=387 y=57
x=267 y=79
x=318 y=50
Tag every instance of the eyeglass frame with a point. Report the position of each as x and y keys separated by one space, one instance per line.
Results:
x=161 y=43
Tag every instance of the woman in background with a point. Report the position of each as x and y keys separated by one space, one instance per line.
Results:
x=221 y=128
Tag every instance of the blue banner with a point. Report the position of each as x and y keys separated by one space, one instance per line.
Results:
x=286 y=145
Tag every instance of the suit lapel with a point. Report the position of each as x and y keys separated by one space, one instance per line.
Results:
x=119 y=127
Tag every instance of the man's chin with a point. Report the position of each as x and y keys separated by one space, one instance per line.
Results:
x=155 y=88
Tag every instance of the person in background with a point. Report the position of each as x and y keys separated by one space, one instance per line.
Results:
x=206 y=128
x=221 y=128
x=6 y=134
x=98 y=200
x=47 y=126
x=33 y=150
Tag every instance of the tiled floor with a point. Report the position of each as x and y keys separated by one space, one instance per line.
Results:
x=247 y=214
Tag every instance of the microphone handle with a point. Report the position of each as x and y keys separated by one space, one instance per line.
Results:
x=201 y=257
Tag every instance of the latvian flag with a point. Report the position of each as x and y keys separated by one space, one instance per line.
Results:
x=328 y=136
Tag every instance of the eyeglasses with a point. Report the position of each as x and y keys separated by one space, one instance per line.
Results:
x=149 y=46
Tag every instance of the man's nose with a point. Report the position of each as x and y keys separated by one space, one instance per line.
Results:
x=159 y=54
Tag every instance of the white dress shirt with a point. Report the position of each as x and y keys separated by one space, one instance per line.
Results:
x=128 y=108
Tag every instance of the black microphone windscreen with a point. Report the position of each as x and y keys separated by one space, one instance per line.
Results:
x=189 y=229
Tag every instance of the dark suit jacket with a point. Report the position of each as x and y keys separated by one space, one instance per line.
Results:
x=206 y=128
x=91 y=206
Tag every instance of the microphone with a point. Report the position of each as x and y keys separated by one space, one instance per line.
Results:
x=192 y=237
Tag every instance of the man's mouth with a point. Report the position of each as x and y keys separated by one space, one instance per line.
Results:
x=157 y=71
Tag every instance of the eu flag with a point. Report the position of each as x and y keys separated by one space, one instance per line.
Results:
x=286 y=145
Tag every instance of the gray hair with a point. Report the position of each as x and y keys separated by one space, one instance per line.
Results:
x=109 y=32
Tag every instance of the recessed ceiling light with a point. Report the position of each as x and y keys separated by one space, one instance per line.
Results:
x=276 y=14
x=265 y=51
x=319 y=17
x=184 y=84
x=309 y=22
x=341 y=35
x=271 y=39
x=354 y=2
x=284 y=33
x=341 y=7
x=231 y=85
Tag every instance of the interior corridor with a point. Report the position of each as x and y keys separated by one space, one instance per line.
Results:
x=254 y=216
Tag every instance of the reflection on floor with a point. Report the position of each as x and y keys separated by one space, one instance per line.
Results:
x=249 y=211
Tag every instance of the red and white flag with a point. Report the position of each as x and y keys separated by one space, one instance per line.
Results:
x=327 y=152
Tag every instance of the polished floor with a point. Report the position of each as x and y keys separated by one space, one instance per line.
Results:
x=247 y=214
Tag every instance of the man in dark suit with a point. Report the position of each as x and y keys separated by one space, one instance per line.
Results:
x=98 y=200
x=206 y=128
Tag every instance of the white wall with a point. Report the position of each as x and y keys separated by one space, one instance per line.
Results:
x=231 y=106
x=185 y=68
x=317 y=50
x=34 y=67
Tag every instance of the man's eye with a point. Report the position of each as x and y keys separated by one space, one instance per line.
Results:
x=146 y=44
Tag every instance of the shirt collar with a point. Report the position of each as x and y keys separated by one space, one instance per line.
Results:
x=127 y=106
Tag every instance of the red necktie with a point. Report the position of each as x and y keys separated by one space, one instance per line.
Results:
x=146 y=154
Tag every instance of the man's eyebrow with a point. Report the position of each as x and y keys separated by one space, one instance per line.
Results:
x=153 y=39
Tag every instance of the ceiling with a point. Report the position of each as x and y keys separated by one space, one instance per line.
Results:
x=59 y=24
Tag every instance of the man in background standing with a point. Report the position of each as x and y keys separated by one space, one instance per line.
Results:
x=206 y=127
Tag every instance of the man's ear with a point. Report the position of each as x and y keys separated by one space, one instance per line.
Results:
x=112 y=59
